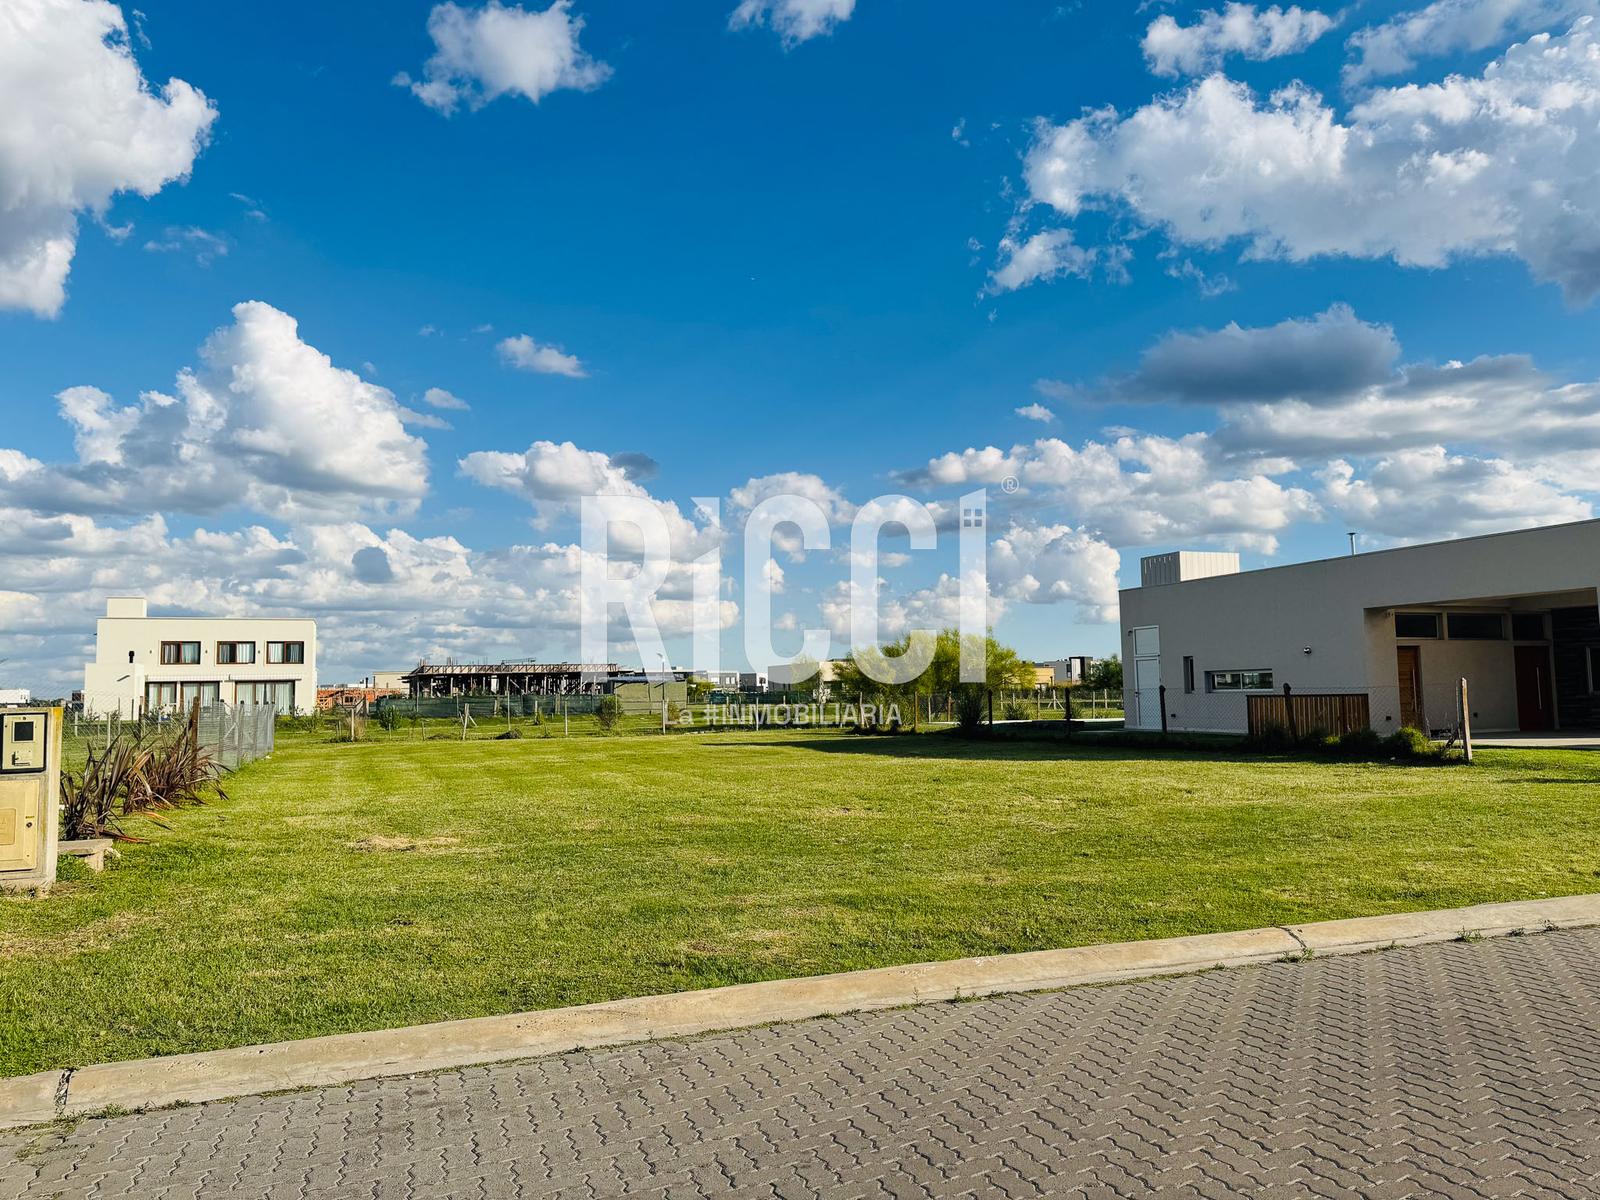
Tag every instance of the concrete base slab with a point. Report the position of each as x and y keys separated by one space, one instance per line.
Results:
x=1587 y=740
x=31 y=1099
x=343 y=1058
x=91 y=851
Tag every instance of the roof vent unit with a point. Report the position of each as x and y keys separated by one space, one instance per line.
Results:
x=127 y=606
x=1182 y=566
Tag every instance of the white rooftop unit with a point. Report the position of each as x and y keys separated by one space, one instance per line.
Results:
x=1180 y=566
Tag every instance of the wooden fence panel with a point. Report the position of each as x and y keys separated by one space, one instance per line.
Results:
x=1313 y=713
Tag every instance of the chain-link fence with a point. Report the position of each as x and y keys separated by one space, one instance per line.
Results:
x=239 y=733
x=233 y=734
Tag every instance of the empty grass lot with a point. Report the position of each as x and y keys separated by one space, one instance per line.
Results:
x=349 y=887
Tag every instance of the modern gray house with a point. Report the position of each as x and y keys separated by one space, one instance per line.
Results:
x=1387 y=635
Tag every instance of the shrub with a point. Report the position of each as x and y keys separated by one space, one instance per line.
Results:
x=174 y=774
x=510 y=735
x=971 y=707
x=1410 y=745
x=1014 y=710
x=608 y=712
x=1274 y=739
x=89 y=800
x=348 y=729
x=389 y=717
x=1361 y=744
x=132 y=777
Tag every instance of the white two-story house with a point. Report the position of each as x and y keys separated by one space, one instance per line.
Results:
x=154 y=664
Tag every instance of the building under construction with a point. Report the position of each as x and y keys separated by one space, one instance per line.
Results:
x=511 y=679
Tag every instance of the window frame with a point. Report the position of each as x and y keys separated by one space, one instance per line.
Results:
x=232 y=659
x=1243 y=673
x=269 y=688
x=1188 y=674
x=1436 y=635
x=1544 y=626
x=284 y=659
x=1451 y=635
x=178 y=659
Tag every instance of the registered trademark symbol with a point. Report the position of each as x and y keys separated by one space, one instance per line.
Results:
x=1009 y=484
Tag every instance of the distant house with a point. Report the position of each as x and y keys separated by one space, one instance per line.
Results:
x=1516 y=614
x=146 y=664
x=786 y=676
x=15 y=696
x=1069 y=671
x=725 y=680
x=508 y=679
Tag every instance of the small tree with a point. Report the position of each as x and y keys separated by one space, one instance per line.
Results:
x=1105 y=675
x=608 y=712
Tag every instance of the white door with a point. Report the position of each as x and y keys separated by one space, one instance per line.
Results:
x=1146 y=710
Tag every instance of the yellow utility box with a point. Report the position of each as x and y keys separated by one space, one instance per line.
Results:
x=30 y=796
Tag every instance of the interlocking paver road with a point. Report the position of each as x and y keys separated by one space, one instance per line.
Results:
x=1468 y=1069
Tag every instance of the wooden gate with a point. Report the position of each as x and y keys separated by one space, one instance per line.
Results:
x=1306 y=713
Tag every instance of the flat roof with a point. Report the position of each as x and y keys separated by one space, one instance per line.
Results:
x=1410 y=547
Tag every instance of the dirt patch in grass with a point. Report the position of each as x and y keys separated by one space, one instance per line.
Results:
x=377 y=844
x=96 y=936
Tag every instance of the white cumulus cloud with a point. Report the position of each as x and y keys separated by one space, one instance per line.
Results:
x=526 y=354
x=796 y=21
x=1502 y=163
x=1043 y=256
x=496 y=50
x=78 y=125
x=265 y=422
x=1243 y=29
x=1451 y=27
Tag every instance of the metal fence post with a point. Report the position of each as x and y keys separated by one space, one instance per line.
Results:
x=1288 y=713
x=1161 y=697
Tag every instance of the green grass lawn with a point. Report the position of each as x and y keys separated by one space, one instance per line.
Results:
x=553 y=872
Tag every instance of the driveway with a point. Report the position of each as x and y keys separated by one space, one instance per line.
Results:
x=1465 y=1069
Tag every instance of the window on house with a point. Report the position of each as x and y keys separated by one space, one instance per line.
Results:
x=236 y=652
x=158 y=696
x=1239 y=681
x=1477 y=627
x=1188 y=673
x=1528 y=627
x=206 y=693
x=1416 y=625
x=278 y=693
x=180 y=653
x=286 y=652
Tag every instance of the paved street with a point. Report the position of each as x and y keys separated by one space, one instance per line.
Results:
x=1468 y=1069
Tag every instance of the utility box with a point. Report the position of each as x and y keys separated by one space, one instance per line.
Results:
x=30 y=796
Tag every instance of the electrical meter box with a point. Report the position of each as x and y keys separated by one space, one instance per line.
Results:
x=30 y=796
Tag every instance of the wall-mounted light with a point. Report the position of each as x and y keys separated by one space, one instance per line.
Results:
x=1307 y=650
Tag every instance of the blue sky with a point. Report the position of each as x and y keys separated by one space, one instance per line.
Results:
x=770 y=253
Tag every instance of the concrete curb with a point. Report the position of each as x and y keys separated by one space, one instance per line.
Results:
x=345 y=1058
